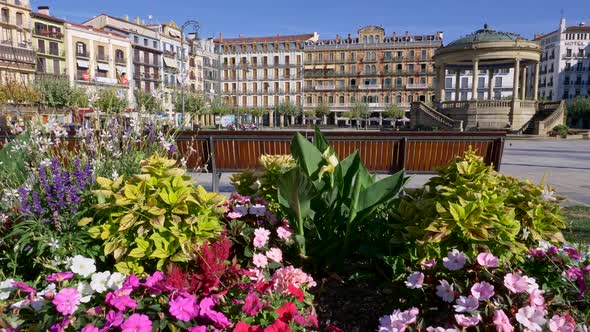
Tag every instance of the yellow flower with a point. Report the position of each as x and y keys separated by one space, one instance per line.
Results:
x=332 y=163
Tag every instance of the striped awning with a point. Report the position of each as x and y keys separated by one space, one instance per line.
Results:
x=170 y=63
x=103 y=67
x=82 y=63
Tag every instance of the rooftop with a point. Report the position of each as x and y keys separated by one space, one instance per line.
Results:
x=272 y=39
x=486 y=35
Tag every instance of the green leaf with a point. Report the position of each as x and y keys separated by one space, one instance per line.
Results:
x=381 y=192
x=320 y=141
x=306 y=155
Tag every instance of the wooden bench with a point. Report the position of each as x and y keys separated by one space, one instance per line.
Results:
x=381 y=152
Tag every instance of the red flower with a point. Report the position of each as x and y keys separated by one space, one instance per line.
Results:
x=287 y=312
x=333 y=328
x=244 y=327
x=278 y=326
x=298 y=293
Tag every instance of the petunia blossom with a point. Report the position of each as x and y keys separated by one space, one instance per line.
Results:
x=564 y=323
x=284 y=233
x=465 y=304
x=455 y=260
x=415 y=280
x=137 y=323
x=482 y=291
x=260 y=260
x=184 y=308
x=445 y=291
x=487 y=259
x=275 y=255
x=261 y=236
x=502 y=322
x=252 y=305
x=467 y=321
x=516 y=283
x=531 y=318
x=66 y=301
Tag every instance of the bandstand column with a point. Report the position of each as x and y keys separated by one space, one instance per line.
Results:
x=441 y=82
x=491 y=84
x=523 y=88
x=474 y=79
x=457 y=82
x=515 y=80
x=536 y=83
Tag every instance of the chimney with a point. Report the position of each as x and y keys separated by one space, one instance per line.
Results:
x=126 y=18
x=394 y=36
x=562 y=25
x=136 y=20
x=220 y=37
x=349 y=37
x=439 y=35
x=407 y=36
x=43 y=10
x=337 y=38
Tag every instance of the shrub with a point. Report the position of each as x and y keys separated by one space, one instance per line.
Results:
x=472 y=208
x=157 y=216
x=561 y=130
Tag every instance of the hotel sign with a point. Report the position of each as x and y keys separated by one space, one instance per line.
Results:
x=574 y=43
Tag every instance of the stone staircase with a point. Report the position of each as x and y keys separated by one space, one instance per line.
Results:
x=549 y=115
x=421 y=113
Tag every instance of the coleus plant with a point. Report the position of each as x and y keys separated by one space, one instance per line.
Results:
x=154 y=218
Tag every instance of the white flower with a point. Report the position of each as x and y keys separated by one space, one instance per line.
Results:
x=455 y=260
x=445 y=291
x=532 y=284
x=531 y=318
x=548 y=195
x=83 y=266
x=86 y=291
x=45 y=163
x=6 y=288
x=466 y=304
x=415 y=280
x=53 y=244
x=439 y=329
x=115 y=175
x=50 y=289
x=21 y=304
x=99 y=281
x=116 y=281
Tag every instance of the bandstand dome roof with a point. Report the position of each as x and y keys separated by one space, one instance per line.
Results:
x=486 y=35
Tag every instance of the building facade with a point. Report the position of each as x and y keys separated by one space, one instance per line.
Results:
x=501 y=81
x=203 y=67
x=262 y=72
x=369 y=68
x=98 y=59
x=175 y=62
x=565 y=63
x=145 y=42
x=17 y=57
x=48 y=41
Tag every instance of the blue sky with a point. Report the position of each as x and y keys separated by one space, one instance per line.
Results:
x=330 y=17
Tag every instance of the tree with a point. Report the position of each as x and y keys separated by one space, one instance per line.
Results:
x=322 y=111
x=287 y=108
x=18 y=93
x=394 y=112
x=55 y=93
x=578 y=110
x=194 y=104
x=360 y=109
x=111 y=101
x=78 y=98
x=147 y=102
x=219 y=107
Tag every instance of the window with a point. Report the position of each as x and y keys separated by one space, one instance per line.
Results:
x=53 y=48
x=81 y=49
x=41 y=46
x=353 y=69
x=341 y=100
x=155 y=45
x=101 y=55
x=481 y=82
x=320 y=100
x=386 y=99
x=387 y=55
x=120 y=57
x=464 y=83
x=342 y=56
x=56 y=67
x=480 y=95
x=410 y=99
x=448 y=83
x=352 y=99
x=398 y=82
x=423 y=54
x=145 y=42
x=498 y=82
x=411 y=68
x=309 y=100
x=5 y=15
x=136 y=39
x=353 y=82
x=464 y=95
x=41 y=65
x=398 y=100
x=448 y=95
x=330 y=100
x=568 y=52
x=387 y=83
x=19 y=19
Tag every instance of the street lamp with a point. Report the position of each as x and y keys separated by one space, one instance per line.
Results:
x=195 y=27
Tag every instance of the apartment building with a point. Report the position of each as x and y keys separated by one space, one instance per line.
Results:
x=565 y=62
x=146 y=46
x=458 y=84
x=261 y=72
x=48 y=41
x=175 y=62
x=203 y=67
x=370 y=68
x=17 y=57
x=98 y=59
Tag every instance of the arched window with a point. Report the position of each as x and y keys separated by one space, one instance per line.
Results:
x=352 y=99
x=364 y=38
x=410 y=99
x=341 y=100
x=373 y=69
x=5 y=15
x=386 y=99
x=371 y=40
x=377 y=39
x=331 y=100
x=119 y=56
x=399 y=100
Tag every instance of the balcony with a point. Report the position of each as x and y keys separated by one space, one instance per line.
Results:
x=51 y=52
x=417 y=86
x=48 y=34
x=170 y=54
x=120 y=60
x=325 y=87
x=102 y=58
x=369 y=87
x=144 y=62
x=82 y=54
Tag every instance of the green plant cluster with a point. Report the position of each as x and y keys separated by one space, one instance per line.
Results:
x=561 y=130
x=154 y=218
x=472 y=208
x=332 y=202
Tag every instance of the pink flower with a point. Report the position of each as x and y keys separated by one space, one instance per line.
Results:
x=120 y=299
x=531 y=318
x=252 y=305
x=482 y=291
x=275 y=255
x=67 y=300
x=131 y=282
x=398 y=321
x=487 y=259
x=114 y=318
x=197 y=329
x=284 y=233
x=256 y=275
x=465 y=304
x=563 y=323
x=515 y=283
x=536 y=299
x=137 y=323
x=572 y=253
x=285 y=276
x=415 y=280
x=502 y=322
x=234 y=215
x=261 y=237
x=467 y=321
x=260 y=261
x=152 y=280
x=59 y=276
x=445 y=291
x=574 y=273
x=455 y=260
x=184 y=308
x=206 y=310
x=23 y=286
x=429 y=264
x=89 y=328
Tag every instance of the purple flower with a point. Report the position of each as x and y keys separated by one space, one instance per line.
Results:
x=216 y=317
x=114 y=318
x=252 y=305
x=184 y=308
x=572 y=253
x=120 y=299
x=131 y=282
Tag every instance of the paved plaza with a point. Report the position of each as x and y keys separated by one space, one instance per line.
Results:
x=564 y=164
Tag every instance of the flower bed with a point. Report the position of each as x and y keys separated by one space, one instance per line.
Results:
x=116 y=236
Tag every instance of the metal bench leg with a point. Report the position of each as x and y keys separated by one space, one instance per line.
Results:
x=215 y=181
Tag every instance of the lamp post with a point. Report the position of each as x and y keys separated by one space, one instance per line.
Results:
x=195 y=27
